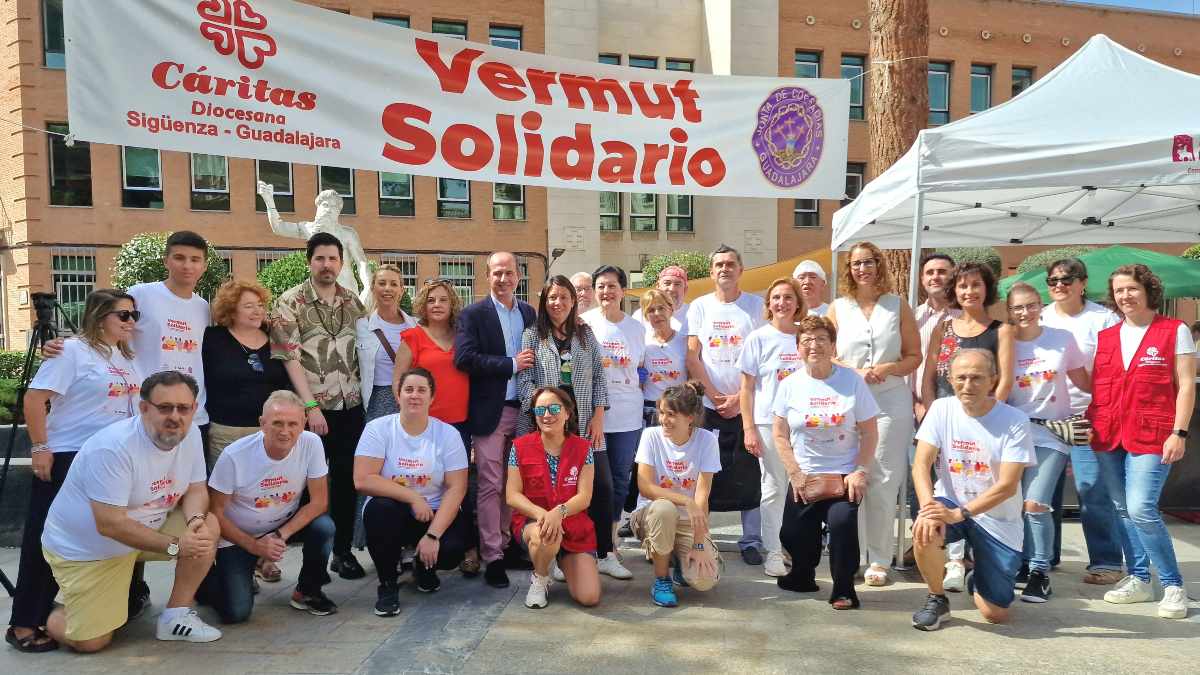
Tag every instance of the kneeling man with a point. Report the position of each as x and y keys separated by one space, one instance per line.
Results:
x=981 y=447
x=255 y=490
x=136 y=492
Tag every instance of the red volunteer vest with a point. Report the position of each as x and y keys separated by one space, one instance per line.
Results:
x=1134 y=409
x=579 y=535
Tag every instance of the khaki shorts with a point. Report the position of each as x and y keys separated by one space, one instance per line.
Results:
x=663 y=530
x=96 y=592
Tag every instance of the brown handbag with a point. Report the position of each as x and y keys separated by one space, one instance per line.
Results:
x=815 y=487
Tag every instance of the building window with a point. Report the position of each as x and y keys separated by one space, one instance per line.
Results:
x=54 y=41
x=454 y=198
x=141 y=178
x=396 y=194
x=808 y=64
x=459 y=270
x=455 y=29
x=610 y=211
x=74 y=276
x=1022 y=79
x=680 y=65
x=854 y=69
x=508 y=201
x=70 y=169
x=227 y=264
x=504 y=36
x=650 y=62
x=341 y=181
x=401 y=21
x=210 y=183
x=981 y=88
x=522 y=291
x=279 y=176
x=408 y=271
x=264 y=258
x=679 y=213
x=939 y=93
x=806 y=213
x=643 y=212
x=610 y=59
x=854 y=181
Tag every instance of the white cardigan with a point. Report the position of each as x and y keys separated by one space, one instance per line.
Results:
x=368 y=347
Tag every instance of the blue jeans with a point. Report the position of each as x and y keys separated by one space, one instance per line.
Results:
x=229 y=586
x=622 y=447
x=1038 y=484
x=1102 y=531
x=996 y=564
x=1135 y=483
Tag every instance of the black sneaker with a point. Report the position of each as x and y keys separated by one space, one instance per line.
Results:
x=315 y=603
x=388 y=600
x=346 y=566
x=139 y=598
x=930 y=616
x=1037 y=589
x=427 y=579
x=625 y=530
x=796 y=584
x=1022 y=576
x=495 y=575
x=752 y=556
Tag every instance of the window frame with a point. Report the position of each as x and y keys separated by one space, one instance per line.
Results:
x=446 y=200
x=443 y=23
x=493 y=37
x=81 y=148
x=217 y=204
x=460 y=282
x=981 y=71
x=858 y=82
x=611 y=227
x=392 y=199
x=289 y=195
x=815 y=62
x=126 y=188
x=506 y=202
x=610 y=59
x=851 y=171
x=815 y=212
x=676 y=65
x=393 y=20
x=349 y=201
x=675 y=220
x=82 y=277
x=635 y=219
x=938 y=68
x=407 y=263
x=1030 y=70
x=646 y=59
x=46 y=61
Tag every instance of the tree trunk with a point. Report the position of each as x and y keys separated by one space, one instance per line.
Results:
x=899 y=94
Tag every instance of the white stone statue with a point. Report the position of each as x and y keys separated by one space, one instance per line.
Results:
x=329 y=207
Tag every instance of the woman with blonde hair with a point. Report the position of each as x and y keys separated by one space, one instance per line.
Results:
x=877 y=337
x=665 y=359
x=378 y=339
x=92 y=384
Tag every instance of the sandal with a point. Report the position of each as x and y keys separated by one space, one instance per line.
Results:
x=32 y=643
x=842 y=603
x=268 y=571
x=875 y=576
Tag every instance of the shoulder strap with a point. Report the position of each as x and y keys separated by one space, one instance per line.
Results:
x=387 y=347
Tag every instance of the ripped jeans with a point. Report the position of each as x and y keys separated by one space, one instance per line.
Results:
x=1037 y=485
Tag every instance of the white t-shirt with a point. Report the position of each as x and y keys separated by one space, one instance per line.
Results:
x=90 y=393
x=678 y=319
x=383 y=363
x=971 y=451
x=820 y=310
x=622 y=346
x=1085 y=326
x=678 y=467
x=169 y=335
x=770 y=356
x=1131 y=339
x=722 y=328
x=419 y=462
x=823 y=416
x=120 y=466
x=666 y=365
x=265 y=492
x=1040 y=381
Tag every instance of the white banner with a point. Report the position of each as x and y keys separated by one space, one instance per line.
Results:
x=279 y=80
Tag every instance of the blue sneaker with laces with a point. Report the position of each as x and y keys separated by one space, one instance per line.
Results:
x=677 y=573
x=663 y=593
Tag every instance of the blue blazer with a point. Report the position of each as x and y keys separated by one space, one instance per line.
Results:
x=479 y=352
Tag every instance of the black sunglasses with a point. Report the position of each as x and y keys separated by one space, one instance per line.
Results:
x=1065 y=280
x=126 y=314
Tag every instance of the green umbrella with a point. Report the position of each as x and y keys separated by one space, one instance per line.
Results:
x=1180 y=276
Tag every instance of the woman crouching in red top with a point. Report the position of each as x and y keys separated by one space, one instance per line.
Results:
x=549 y=489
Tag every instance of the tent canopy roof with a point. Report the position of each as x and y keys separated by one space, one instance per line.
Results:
x=1103 y=149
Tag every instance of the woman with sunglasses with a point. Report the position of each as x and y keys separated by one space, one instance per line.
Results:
x=877 y=336
x=92 y=384
x=1046 y=359
x=549 y=489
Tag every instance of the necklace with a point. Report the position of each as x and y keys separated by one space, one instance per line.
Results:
x=317 y=307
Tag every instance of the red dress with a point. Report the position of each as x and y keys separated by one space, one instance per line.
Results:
x=451 y=384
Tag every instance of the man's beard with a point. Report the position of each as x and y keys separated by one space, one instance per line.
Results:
x=167 y=439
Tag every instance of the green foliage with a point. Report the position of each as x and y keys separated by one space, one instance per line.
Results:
x=290 y=270
x=1039 y=261
x=8 y=401
x=1193 y=253
x=695 y=262
x=141 y=261
x=985 y=255
x=11 y=363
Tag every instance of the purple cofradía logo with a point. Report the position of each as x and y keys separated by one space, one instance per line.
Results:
x=789 y=135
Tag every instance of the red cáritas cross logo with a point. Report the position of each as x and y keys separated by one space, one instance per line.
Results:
x=234 y=26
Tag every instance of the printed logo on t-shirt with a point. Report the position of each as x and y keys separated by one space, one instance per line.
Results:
x=166 y=500
x=119 y=389
x=185 y=345
x=1027 y=380
x=412 y=480
x=789 y=363
x=279 y=498
x=970 y=475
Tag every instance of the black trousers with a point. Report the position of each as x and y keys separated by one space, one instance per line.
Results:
x=737 y=486
x=801 y=538
x=345 y=428
x=391 y=526
x=36 y=587
x=601 y=508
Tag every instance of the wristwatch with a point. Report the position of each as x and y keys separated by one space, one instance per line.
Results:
x=173 y=549
x=1182 y=433
x=562 y=510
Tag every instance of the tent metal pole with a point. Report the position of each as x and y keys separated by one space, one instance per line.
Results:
x=914 y=278
x=833 y=275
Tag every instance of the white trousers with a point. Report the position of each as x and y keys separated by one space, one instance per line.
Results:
x=877 y=515
x=774 y=488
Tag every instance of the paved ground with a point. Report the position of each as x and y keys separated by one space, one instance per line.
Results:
x=744 y=625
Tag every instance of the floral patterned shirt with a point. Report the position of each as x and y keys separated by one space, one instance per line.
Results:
x=322 y=338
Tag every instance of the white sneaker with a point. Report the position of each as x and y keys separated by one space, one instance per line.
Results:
x=774 y=565
x=612 y=567
x=188 y=627
x=1129 y=590
x=556 y=572
x=1174 y=603
x=535 y=598
x=956 y=576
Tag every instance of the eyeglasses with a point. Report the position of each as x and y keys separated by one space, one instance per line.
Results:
x=126 y=315
x=168 y=408
x=541 y=410
x=863 y=264
x=1064 y=280
x=255 y=363
x=815 y=340
x=1031 y=308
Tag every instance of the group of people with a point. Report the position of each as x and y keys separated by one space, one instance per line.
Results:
x=472 y=437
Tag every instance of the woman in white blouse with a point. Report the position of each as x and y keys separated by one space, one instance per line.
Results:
x=384 y=323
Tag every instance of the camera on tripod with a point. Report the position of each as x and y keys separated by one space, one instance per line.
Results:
x=43 y=307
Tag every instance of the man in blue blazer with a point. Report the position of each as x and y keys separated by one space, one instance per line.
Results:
x=487 y=348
